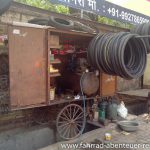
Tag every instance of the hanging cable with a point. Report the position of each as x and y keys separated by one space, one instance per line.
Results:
x=84 y=99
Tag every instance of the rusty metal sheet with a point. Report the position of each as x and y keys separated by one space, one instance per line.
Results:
x=27 y=66
x=108 y=85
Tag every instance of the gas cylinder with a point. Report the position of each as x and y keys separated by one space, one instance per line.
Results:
x=102 y=109
x=112 y=109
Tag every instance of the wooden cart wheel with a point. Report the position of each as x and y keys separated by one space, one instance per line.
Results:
x=70 y=122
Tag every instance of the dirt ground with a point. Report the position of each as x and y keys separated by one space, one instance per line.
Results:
x=31 y=138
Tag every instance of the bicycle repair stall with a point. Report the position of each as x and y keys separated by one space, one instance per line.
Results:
x=60 y=63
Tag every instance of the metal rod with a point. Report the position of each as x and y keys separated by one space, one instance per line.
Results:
x=143 y=36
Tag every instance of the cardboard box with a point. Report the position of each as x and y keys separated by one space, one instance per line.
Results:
x=53 y=41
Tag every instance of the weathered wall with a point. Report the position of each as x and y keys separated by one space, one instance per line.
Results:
x=125 y=85
x=10 y=16
x=146 y=82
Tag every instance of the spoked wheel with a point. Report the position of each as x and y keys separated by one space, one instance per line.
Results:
x=70 y=122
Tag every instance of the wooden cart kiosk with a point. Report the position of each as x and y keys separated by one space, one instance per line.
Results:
x=29 y=68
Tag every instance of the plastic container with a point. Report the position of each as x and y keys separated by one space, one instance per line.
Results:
x=51 y=57
x=108 y=136
x=52 y=94
x=96 y=116
x=102 y=115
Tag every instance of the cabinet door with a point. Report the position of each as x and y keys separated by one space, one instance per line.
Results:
x=27 y=66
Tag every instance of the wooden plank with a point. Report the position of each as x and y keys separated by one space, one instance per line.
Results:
x=71 y=32
x=61 y=101
x=55 y=61
x=55 y=74
x=24 y=24
x=54 y=102
x=146 y=78
x=137 y=93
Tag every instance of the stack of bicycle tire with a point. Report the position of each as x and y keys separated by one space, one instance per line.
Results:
x=143 y=29
x=120 y=54
x=66 y=24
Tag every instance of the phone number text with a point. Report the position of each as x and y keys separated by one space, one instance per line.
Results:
x=127 y=16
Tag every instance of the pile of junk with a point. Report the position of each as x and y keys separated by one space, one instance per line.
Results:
x=67 y=24
x=108 y=110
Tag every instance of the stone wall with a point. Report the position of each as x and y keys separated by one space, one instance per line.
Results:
x=126 y=85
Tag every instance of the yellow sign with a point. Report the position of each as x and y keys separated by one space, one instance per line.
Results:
x=140 y=6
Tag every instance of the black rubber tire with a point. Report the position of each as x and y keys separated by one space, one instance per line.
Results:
x=120 y=54
x=143 y=29
x=61 y=23
x=39 y=21
x=4 y=5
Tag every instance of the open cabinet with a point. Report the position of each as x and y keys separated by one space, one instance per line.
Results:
x=67 y=60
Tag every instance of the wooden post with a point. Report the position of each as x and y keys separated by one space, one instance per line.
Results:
x=148 y=103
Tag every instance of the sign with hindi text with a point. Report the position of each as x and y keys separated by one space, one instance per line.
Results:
x=131 y=11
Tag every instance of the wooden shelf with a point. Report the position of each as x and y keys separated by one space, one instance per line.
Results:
x=62 y=100
x=55 y=46
x=53 y=102
x=57 y=74
x=81 y=52
x=55 y=61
